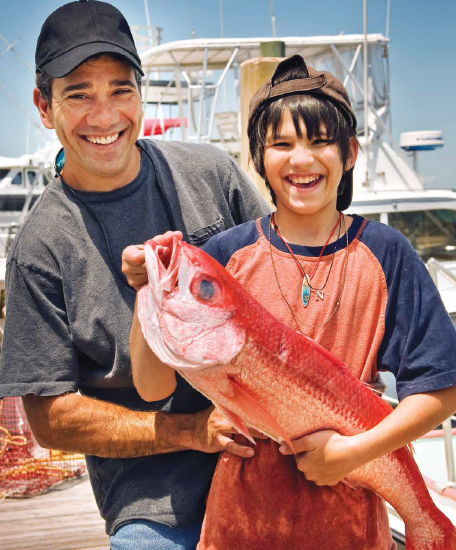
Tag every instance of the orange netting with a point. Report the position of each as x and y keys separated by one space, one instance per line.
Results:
x=26 y=469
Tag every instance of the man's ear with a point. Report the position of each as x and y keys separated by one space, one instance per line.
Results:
x=353 y=153
x=44 y=109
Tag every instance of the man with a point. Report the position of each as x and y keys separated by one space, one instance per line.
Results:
x=69 y=308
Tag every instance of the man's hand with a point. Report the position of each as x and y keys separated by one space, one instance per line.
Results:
x=133 y=259
x=213 y=435
x=324 y=457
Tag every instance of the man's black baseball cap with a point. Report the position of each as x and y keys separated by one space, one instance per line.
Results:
x=79 y=30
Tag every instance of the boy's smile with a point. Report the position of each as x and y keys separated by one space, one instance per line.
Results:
x=304 y=173
x=304 y=181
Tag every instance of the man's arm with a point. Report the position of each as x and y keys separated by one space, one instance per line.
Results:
x=326 y=457
x=76 y=423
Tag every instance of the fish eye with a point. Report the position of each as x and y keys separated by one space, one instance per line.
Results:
x=205 y=289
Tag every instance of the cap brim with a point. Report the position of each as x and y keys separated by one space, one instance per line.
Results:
x=344 y=200
x=67 y=62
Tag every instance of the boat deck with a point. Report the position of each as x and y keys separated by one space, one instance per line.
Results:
x=66 y=518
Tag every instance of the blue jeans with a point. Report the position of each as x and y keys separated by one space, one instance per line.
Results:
x=149 y=535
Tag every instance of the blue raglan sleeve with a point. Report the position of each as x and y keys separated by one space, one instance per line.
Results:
x=419 y=344
x=223 y=245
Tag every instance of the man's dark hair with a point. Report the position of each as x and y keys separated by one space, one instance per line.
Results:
x=315 y=111
x=44 y=81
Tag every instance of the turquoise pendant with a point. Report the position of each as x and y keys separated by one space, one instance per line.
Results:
x=305 y=290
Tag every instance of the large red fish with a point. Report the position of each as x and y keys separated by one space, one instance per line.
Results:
x=258 y=372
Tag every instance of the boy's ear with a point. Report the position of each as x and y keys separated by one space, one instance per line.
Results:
x=44 y=109
x=353 y=153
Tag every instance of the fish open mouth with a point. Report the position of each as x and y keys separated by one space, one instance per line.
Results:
x=163 y=264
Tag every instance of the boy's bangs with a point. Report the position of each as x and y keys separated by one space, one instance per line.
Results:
x=319 y=117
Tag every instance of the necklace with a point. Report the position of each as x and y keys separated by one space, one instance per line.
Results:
x=306 y=287
x=297 y=320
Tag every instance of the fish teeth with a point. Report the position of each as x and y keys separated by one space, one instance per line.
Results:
x=103 y=140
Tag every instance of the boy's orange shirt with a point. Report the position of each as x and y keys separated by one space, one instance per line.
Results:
x=265 y=502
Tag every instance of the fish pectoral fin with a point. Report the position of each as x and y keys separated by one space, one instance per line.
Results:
x=248 y=403
x=353 y=484
x=236 y=422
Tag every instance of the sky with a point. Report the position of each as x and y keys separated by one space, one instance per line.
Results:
x=422 y=56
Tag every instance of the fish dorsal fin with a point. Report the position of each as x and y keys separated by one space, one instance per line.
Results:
x=248 y=403
x=237 y=422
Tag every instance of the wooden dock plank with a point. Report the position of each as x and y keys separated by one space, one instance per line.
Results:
x=63 y=519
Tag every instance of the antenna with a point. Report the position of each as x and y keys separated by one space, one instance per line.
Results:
x=192 y=24
x=366 y=123
x=10 y=47
x=221 y=17
x=221 y=36
x=387 y=30
x=146 y=9
x=5 y=89
x=273 y=21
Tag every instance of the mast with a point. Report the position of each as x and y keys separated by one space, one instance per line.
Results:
x=366 y=106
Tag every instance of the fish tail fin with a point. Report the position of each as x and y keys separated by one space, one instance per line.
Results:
x=445 y=539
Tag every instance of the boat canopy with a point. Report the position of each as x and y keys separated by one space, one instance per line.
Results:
x=189 y=54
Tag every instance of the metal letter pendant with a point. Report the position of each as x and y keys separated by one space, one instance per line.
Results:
x=319 y=294
x=305 y=290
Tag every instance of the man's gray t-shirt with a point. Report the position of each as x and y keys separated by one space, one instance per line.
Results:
x=69 y=310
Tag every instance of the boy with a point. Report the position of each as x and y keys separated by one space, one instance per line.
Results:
x=354 y=286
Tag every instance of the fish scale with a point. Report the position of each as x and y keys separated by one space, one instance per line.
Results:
x=274 y=379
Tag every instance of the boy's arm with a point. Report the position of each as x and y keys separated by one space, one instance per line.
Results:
x=327 y=457
x=153 y=379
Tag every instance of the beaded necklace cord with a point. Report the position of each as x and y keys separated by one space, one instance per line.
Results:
x=306 y=287
x=279 y=234
x=307 y=278
x=297 y=320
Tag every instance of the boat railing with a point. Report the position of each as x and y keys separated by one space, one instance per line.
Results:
x=435 y=267
x=7 y=233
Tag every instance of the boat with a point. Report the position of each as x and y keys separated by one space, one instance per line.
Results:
x=22 y=180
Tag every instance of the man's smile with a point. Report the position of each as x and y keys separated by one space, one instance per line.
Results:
x=103 y=140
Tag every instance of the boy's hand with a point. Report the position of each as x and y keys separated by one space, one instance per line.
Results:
x=324 y=457
x=133 y=259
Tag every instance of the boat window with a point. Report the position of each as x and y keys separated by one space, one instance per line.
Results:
x=11 y=203
x=431 y=232
x=3 y=173
x=17 y=180
x=15 y=204
x=31 y=176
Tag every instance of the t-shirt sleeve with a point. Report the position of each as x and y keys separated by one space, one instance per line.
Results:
x=38 y=355
x=246 y=202
x=419 y=344
x=223 y=245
